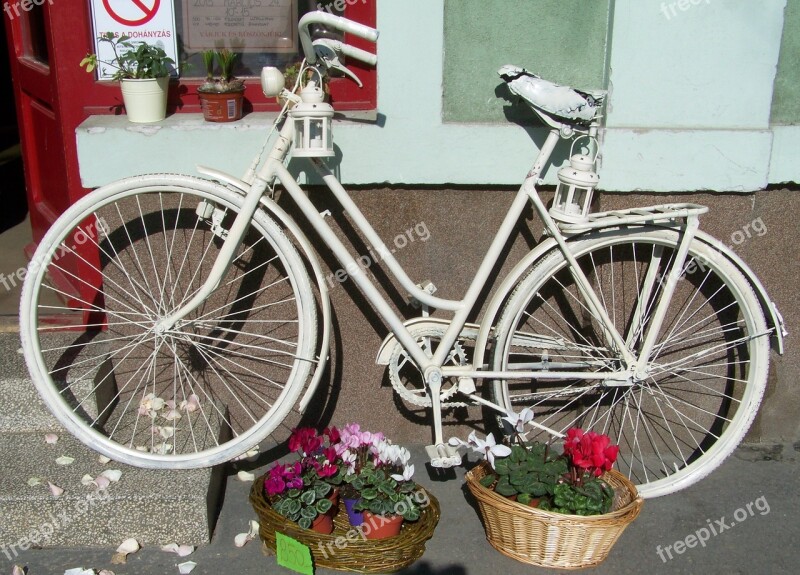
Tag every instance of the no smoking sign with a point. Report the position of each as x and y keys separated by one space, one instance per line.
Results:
x=151 y=21
x=132 y=12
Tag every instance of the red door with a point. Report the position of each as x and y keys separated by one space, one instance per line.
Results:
x=44 y=62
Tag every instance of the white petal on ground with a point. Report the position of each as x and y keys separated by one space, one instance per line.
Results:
x=79 y=571
x=51 y=438
x=180 y=550
x=106 y=572
x=187 y=567
x=102 y=482
x=193 y=404
x=112 y=475
x=165 y=431
x=172 y=415
x=34 y=481
x=249 y=455
x=55 y=490
x=129 y=546
x=103 y=459
x=126 y=548
x=87 y=480
x=17 y=570
x=243 y=538
x=245 y=476
x=65 y=460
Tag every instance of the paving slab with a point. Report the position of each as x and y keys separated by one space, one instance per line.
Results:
x=154 y=506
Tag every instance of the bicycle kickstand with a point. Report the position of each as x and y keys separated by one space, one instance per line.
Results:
x=440 y=453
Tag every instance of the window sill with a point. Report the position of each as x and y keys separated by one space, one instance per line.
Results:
x=192 y=122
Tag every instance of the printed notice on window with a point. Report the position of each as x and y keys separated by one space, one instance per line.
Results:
x=240 y=25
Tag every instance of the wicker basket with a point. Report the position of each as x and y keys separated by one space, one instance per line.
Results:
x=356 y=553
x=550 y=539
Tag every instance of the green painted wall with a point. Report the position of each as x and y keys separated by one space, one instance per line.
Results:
x=785 y=103
x=561 y=40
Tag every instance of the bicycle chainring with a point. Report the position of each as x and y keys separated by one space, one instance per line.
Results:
x=408 y=380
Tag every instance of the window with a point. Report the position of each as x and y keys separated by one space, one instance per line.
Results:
x=262 y=33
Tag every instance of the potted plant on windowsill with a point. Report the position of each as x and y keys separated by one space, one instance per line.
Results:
x=143 y=72
x=221 y=97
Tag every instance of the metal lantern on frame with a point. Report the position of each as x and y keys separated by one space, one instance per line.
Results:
x=312 y=118
x=576 y=184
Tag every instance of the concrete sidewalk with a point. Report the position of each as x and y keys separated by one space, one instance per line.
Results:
x=749 y=501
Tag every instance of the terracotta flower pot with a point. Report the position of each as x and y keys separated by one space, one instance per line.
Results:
x=324 y=523
x=381 y=527
x=222 y=107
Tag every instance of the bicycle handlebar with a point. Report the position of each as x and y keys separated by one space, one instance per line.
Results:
x=342 y=24
x=357 y=53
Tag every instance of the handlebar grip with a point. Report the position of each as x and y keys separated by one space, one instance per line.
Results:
x=343 y=24
x=360 y=30
x=358 y=54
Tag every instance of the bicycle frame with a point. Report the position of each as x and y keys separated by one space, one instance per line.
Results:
x=432 y=368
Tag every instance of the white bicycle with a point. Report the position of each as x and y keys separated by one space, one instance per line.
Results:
x=171 y=321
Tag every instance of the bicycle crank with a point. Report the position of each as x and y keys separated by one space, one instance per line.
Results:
x=406 y=378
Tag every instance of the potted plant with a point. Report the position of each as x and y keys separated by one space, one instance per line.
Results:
x=548 y=508
x=304 y=491
x=377 y=485
x=143 y=71
x=221 y=97
x=386 y=498
x=355 y=447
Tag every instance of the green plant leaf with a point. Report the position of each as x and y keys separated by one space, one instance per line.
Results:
x=304 y=522
x=505 y=488
x=308 y=497
x=501 y=466
x=369 y=493
x=487 y=480
x=324 y=505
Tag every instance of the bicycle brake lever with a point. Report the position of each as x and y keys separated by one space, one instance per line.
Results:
x=329 y=51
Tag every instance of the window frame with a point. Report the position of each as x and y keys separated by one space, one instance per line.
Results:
x=103 y=97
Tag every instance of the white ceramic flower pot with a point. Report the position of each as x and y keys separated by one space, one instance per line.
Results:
x=145 y=100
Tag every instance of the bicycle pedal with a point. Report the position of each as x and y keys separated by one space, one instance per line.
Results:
x=443 y=456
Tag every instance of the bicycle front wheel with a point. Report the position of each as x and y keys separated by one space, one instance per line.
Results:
x=207 y=390
x=706 y=375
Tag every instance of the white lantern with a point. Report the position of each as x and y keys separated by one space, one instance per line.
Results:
x=312 y=124
x=576 y=184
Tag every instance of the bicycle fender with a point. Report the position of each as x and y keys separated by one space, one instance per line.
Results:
x=774 y=317
x=280 y=214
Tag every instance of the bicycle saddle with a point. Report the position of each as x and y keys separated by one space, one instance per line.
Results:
x=561 y=102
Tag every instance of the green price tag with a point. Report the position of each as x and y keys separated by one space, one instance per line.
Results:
x=293 y=555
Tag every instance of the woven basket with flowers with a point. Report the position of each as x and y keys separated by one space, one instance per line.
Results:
x=564 y=510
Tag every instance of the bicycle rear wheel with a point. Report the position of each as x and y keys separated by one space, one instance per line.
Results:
x=204 y=392
x=707 y=372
